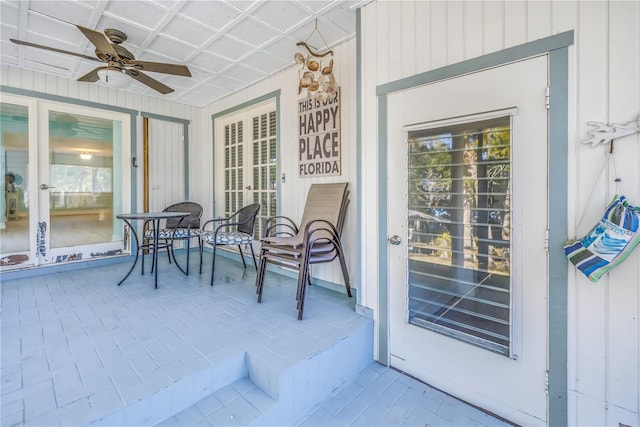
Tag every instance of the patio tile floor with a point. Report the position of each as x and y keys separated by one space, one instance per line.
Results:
x=77 y=349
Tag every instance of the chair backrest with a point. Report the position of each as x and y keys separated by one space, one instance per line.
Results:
x=248 y=213
x=195 y=213
x=327 y=202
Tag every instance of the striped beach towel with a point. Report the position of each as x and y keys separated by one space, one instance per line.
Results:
x=608 y=243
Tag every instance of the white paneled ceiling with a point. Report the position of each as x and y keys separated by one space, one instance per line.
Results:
x=227 y=44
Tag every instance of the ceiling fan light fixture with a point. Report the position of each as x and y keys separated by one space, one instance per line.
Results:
x=114 y=78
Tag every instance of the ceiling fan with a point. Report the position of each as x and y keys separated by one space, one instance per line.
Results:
x=118 y=60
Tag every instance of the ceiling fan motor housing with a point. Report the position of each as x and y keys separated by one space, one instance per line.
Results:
x=116 y=36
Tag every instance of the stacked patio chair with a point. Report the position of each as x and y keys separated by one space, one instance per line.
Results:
x=184 y=228
x=316 y=240
x=236 y=229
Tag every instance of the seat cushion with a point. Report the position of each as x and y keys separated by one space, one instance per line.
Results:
x=167 y=233
x=227 y=238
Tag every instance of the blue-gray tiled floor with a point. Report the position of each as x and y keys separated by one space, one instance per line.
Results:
x=75 y=348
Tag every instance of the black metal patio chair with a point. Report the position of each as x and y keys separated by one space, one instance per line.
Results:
x=235 y=230
x=179 y=229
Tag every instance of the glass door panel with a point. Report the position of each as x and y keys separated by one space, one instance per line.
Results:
x=81 y=184
x=15 y=205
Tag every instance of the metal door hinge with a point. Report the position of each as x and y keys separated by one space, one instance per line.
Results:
x=546 y=240
x=546 y=381
x=547 y=98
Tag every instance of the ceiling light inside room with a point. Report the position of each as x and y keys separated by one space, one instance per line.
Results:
x=85 y=155
x=114 y=78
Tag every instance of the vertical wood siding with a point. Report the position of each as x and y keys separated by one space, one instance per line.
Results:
x=166 y=164
x=401 y=40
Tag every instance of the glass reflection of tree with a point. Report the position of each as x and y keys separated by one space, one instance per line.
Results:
x=429 y=194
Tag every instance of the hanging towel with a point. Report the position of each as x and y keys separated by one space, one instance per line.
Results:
x=608 y=243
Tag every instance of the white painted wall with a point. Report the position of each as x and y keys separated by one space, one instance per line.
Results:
x=166 y=164
x=400 y=39
x=294 y=190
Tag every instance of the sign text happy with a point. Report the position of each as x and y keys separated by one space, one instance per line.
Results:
x=319 y=141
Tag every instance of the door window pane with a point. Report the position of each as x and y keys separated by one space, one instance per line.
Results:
x=264 y=157
x=14 y=206
x=81 y=181
x=459 y=222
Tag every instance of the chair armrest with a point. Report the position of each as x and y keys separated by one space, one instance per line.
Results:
x=272 y=225
x=211 y=221
x=320 y=230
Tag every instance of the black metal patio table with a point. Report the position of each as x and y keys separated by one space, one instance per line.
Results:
x=155 y=218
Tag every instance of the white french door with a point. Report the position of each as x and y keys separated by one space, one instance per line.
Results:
x=247 y=157
x=18 y=150
x=467 y=215
x=72 y=177
x=83 y=181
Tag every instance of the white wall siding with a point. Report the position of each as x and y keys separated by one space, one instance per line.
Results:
x=166 y=164
x=402 y=39
x=294 y=190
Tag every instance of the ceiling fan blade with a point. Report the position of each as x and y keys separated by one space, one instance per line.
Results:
x=92 y=76
x=149 y=81
x=99 y=40
x=161 y=67
x=39 y=46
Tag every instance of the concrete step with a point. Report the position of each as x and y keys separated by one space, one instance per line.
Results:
x=250 y=389
x=169 y=400
x=238 y=404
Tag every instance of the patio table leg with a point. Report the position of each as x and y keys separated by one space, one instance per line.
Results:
x=135 y=261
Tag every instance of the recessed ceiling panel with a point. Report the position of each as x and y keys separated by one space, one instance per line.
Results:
x=264 y=62
x=284 y=49
x=229 y=48
x=215 y=14
x=241 y=4
x=72 y=13
x=246 y=74
x=210 y=62
x=228 y=83
x=343 y=17
x=281 y=15
x=55 y=31
x=253 y=32
x=189 y=31
x=145 y=13
x=9 y=13
x=171 y=48
x=316 y=5
x=203 y=93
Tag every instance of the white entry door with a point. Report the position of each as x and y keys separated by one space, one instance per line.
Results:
x=467 y=218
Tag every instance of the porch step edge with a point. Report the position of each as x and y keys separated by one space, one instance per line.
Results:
x=172 y=399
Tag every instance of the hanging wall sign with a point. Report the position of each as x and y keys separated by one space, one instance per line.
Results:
x=319 y=140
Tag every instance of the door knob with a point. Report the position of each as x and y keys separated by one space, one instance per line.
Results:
x=248 y=187
x=45 y=187
x=395 y=240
